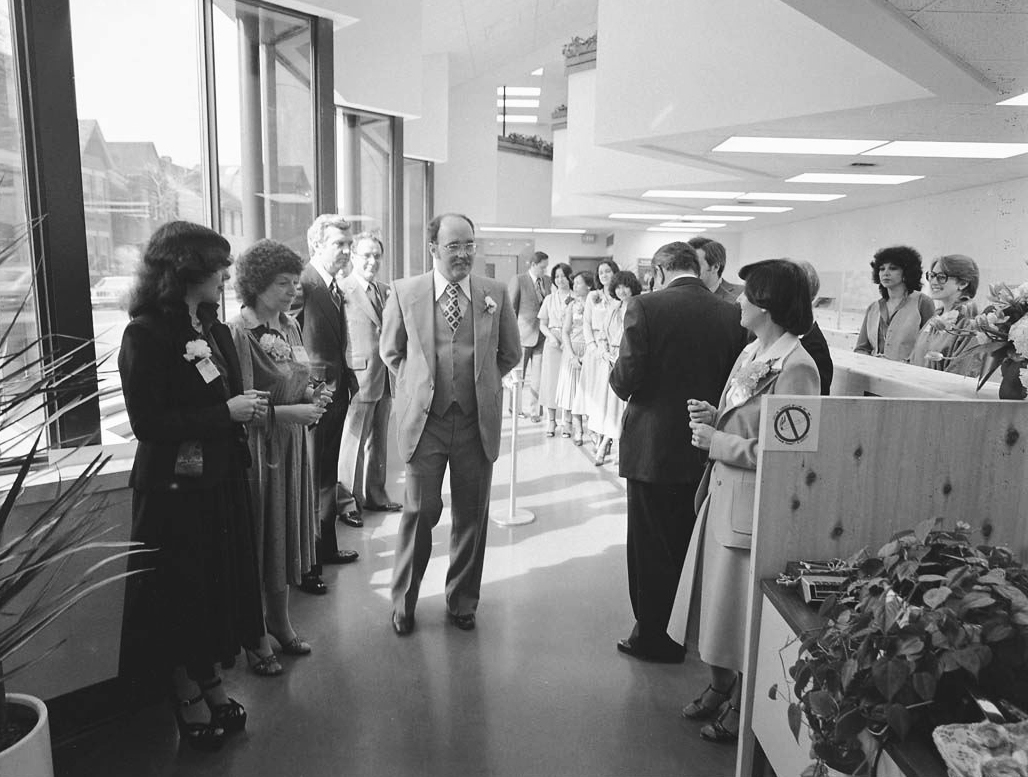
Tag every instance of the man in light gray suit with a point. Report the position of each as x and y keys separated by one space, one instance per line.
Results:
x=449 y=337
x=362 y=456
x=527 y=292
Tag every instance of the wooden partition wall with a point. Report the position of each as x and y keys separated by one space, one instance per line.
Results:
x=836 y=474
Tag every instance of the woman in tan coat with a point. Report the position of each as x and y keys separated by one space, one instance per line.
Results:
x=775 y=306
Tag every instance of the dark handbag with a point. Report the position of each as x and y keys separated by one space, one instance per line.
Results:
x=189 y=460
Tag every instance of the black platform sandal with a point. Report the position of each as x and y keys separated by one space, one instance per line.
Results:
x=207 y=737
x=230 y=716
x=697 y=710
x=718 y=731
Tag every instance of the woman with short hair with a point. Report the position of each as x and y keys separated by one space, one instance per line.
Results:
x=952 y=283
x=273 y=360
x=775 y=307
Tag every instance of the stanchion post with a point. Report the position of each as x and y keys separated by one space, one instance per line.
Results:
x=515 y=516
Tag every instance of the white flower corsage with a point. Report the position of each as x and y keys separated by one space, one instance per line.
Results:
x=197 y=349
x=277 y=348
x=933 y=356
x=490 y=305
x=745 y=381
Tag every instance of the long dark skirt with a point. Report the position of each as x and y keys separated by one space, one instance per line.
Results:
x=201 y=601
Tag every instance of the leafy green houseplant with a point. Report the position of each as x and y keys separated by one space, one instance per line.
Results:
x=927 y=620
x=36 y=587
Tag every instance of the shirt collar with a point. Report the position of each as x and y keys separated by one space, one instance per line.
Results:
x=323 y=273
x=441 y=283
x=249 y=318
x=781 y=348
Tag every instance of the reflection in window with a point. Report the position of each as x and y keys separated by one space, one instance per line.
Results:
x=265 y=106
x=364 y=153
x=415 y=216
x=141 y=140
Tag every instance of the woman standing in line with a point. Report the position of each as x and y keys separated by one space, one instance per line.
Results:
x=952 y=282
x=551 y=318
x=569 y=394
x=622 y=286
x=186 y=404
x=273 y=360
x=891 y=324
x=595 y=369
x=775 y=307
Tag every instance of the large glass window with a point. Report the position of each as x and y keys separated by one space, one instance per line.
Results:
x=18 y=318
x=265 y=106
x=364 y=152
x=141 y=138
x=416 y=177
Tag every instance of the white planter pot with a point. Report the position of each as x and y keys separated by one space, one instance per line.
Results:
x=31 y=757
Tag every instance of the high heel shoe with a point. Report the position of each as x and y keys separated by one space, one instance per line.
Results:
x=265 y=666
x=566 y=431
x=697 y=710
x=601 y=453
x=207 y=737
x=551 y=428
x=231 y=715
x=292 y=647
x=718 y=731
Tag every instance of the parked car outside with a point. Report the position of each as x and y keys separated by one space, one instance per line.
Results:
x=110 y=292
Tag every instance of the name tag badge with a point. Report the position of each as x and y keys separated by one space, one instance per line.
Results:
x=300 y=355
x=207 y=370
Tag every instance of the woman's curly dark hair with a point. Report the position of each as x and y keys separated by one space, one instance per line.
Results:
x=904 y=257
x=624 y=278
x=259 y=265
x=178 y=254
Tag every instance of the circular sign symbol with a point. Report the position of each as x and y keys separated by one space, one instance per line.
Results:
x=792 y=424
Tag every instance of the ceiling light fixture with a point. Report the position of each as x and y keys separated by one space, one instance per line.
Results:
x=645 y=216
x=537 y=72
x=517 y=102
x=1021 y=99
x=714 y=218
x=691 y=195
x=707 y=224
x=789 y=197
x=754 y=145
x=512 y=118
x=675 y=229
x=537 y=230
x=861 y=178
x=556 y=231
x=950 y=149
x=748 y=208
x=518 y=91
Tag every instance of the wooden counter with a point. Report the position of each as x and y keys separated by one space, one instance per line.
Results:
x=859 y=375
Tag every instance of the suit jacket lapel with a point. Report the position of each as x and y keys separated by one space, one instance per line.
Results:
x=362 y=298
x=481 y=323
x=323 y=298
x=422 y=307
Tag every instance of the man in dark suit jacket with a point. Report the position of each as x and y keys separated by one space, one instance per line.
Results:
x=323 y=323
x=680 y=341
x=713 y=258
x=814 y=341
x=527 y=292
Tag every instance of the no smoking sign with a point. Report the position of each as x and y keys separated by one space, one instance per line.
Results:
x=794 y=425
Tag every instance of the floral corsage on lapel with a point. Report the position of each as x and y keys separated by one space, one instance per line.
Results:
x=490 y=305
x=273 y=345
x=752 y=378
x=197 y=350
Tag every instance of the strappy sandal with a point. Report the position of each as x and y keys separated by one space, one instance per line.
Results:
x=297 y=646
x=718 y=731
x=207 y=737
x=231 y=715
x=697 y=710
x=265 y=666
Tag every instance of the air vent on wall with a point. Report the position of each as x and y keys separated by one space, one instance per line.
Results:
x=863 y=164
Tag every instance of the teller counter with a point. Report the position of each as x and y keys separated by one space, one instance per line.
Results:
x=860 y=375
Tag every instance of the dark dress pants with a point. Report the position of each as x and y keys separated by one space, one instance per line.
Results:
x=661 y=517
x=451 y=439
x=328 y=435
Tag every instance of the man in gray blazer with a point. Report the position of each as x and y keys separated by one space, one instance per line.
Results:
x=362 y=456
x=527 y=292
x=713 y=258
x=449 y=337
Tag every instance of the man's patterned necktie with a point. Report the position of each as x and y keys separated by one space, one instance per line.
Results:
x=452 y=309
x=337 y=296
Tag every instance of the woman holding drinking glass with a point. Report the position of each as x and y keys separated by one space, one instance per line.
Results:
x=190 y=502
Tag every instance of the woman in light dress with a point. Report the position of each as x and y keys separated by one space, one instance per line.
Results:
x=595 y=369
x=952 y=283
x=551 y=319
x=710 y=603
x=622 y=286
x=569 y=396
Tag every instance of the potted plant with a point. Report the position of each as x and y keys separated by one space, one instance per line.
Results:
x=33 y=592
x=927 y=621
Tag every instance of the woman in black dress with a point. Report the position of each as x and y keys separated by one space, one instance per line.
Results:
x=183 y=392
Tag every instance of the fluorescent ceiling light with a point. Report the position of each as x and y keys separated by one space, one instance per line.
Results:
x=518 y=91
x=707 y=224
x=790 y=197
x=505 y=229
x=554 y=231
x=537 y=72
x=517 y=102
x=692 y=195
x=748 y=208
x=868 y=178
x=511 y=118
x=958 y=150
x=560 y=231
x=674 y=229
x=645 y=216
x=753 y=145
x=714 y=218
x=1021 y=99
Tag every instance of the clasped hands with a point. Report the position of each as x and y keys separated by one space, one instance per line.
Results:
x=701 y=422
x=251 y=405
